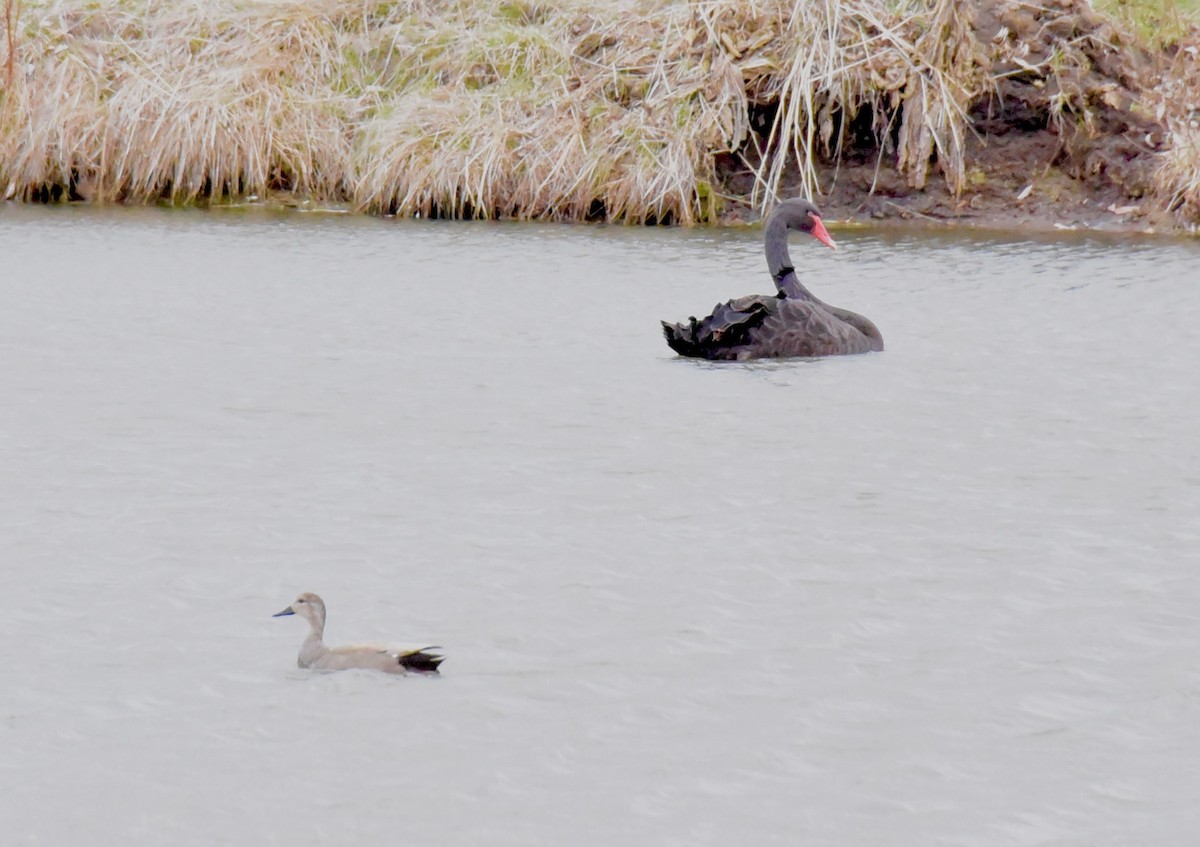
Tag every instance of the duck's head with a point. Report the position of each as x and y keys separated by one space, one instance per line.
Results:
x=308 y=606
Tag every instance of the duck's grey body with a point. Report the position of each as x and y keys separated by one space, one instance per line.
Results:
x=380 y=657
x=793 y=322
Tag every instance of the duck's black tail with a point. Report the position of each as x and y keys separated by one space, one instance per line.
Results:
x=421 y=661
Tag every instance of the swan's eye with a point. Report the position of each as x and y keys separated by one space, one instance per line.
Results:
x=301 y=601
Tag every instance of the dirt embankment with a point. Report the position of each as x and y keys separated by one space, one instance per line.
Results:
x=1005 y=113
x=1074 y=126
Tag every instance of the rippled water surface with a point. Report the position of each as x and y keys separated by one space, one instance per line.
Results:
x=942 y=595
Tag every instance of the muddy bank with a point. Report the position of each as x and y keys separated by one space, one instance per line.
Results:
x=1018 y=180
x=976 y=112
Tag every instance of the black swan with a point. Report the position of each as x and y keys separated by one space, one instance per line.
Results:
x=791 y=323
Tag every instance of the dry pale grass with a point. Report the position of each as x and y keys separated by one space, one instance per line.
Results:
x=519 y=110
x=911 y=63
x=136 y=101
x=1177 y=180
x=12 y=11
x=551 y=109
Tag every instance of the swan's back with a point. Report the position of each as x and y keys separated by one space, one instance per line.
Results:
x=805 y=328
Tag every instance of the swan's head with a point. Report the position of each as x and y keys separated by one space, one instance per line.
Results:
x=308 y=606
x=804 y=216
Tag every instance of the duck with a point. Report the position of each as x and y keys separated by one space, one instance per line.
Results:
x=380 y=657
x=791 y=323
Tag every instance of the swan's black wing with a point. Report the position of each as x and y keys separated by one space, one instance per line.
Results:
x=725 y=332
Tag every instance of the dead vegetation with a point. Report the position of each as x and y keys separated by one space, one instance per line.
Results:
x=1177 y=180
x=630 y=110
x=11 y=12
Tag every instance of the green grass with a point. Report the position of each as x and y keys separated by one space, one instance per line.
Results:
x=1158 y=23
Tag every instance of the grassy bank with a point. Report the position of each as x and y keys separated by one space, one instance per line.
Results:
x=627 y=110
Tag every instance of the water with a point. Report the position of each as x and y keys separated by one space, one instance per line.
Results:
x=942 y=595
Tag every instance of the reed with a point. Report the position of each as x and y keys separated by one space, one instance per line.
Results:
x=549 y=109
x=1177 y=180
x=12 y=11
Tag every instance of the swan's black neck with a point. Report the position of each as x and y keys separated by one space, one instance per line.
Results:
x=775 y=244
x=789 y=286
x=779 y=263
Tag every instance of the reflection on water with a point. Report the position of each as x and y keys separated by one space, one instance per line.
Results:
x=944 y=594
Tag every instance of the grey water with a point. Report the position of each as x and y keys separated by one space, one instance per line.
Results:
x=942 y=595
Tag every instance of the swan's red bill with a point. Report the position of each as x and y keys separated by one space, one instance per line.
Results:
x=820 y=232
